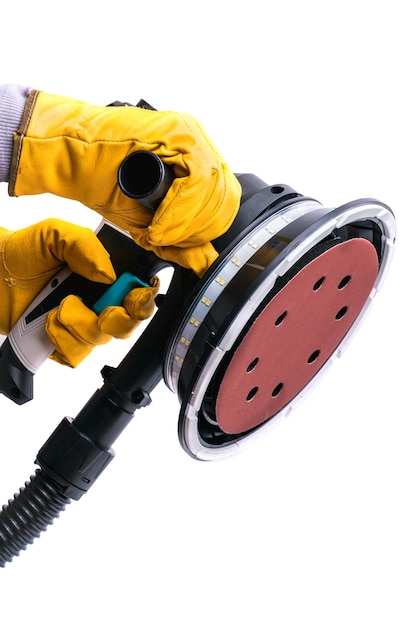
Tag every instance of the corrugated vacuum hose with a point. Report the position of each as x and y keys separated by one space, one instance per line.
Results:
x=28 y=514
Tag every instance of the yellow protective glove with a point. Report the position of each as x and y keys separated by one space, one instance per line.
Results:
x=74 y=149
x=30 y=257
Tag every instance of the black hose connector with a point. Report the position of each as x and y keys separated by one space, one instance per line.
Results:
x=29 y=513
x=145 y=177
x=70 y=461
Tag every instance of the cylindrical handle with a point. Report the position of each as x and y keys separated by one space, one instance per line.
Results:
x=145 y=177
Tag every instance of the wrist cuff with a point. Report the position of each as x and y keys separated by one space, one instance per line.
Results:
x=12 y=103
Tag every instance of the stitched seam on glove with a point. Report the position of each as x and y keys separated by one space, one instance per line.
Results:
x=18 y=139
x=24 y=283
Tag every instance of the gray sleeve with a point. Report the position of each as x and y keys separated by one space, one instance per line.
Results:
x=12 y=103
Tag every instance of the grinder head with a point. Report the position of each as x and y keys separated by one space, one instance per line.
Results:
x=274 y=311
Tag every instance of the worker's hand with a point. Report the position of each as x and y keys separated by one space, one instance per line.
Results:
x=73 y=149
x=28 y=260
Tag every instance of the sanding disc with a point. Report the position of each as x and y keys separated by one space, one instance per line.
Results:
x=295 y=334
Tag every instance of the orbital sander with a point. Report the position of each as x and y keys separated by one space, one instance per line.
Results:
x=238 y=346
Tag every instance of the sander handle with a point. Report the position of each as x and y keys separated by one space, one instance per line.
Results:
x=27 y=345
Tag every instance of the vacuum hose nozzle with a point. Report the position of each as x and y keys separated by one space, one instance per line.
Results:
x=145 y=177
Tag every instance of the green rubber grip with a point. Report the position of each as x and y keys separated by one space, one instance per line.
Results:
x=117 y=292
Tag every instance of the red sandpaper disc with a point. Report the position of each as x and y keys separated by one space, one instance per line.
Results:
x=295 y=334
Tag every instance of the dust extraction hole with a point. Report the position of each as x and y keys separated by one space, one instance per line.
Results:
x=341 y=313
x=277 y=390
x=252 y=364
x=277 y=189
x=313 y=356
x=252 y=393
x=344 y=282
x=281 y=318
x=319 y=283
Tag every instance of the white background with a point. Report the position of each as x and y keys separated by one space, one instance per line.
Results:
x=316 y=523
